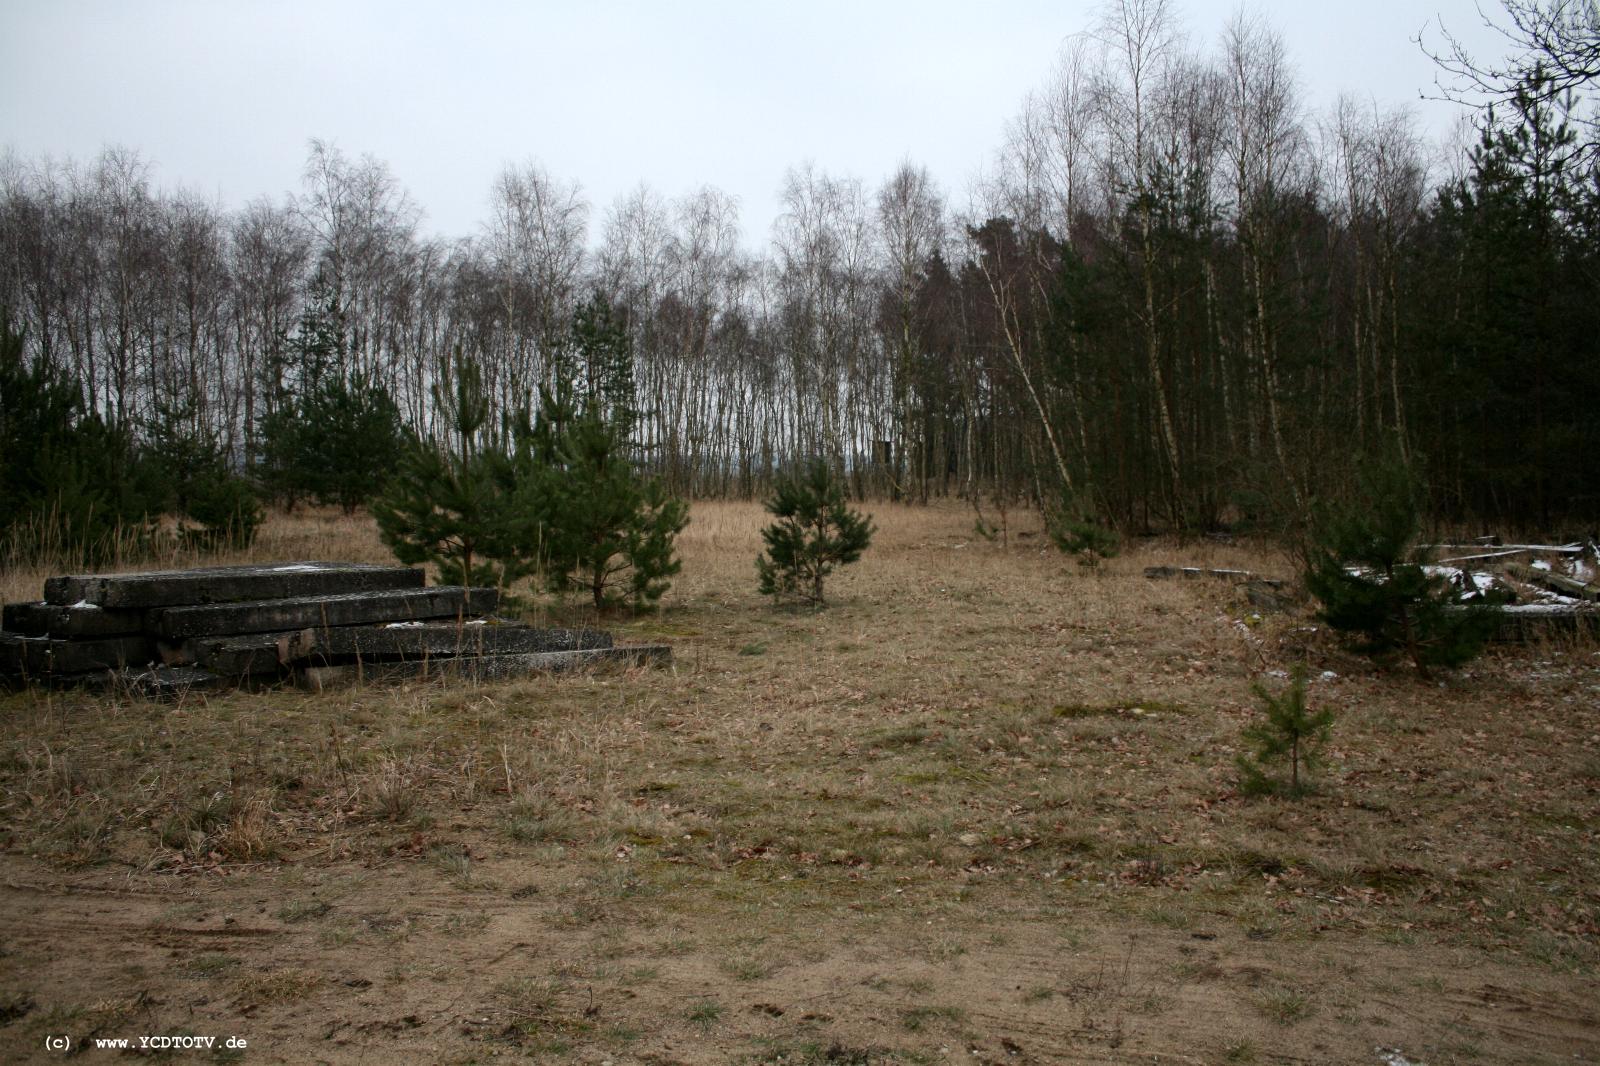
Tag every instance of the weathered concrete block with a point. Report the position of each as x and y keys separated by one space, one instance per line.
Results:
x=1155 y=572
x=227 y=584
x=306 y=612
x=40 y=656
x=483 y=667
x=89 y=620
x=1267 y=595
x=418 y=640
x=253 y=655
x=14 y=654
x=1535 y=621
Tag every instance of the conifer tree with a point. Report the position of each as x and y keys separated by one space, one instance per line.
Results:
x=1291 y=733
x=606 y=530
x=1075 y=530
x=183 y=470
x=333 y=434
x=586 y=515
x=816 y=531
x=67 y=483
x=452 y=505
x=599 y=339
x=1362 y=567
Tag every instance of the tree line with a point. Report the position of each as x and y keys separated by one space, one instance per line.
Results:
x=1175 y=299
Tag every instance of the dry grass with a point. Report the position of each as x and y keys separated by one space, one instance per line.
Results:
x=982 y=799
x=309 y=533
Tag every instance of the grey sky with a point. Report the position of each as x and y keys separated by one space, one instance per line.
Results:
x=223 y=96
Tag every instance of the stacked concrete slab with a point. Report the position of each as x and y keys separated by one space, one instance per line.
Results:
x=316 y=623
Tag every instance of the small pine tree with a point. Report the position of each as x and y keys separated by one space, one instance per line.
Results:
x=1291 y=733
x=1361 y=566
x=1076 y=531
x=659 y=519
x=816 y=531
x=451 y=506
x=183 y=469
x=606 y=530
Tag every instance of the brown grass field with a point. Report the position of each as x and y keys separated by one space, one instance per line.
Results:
x=983 y=808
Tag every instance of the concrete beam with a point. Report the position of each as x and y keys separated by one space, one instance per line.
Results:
x=227 y=584
x=417 y=640
x=307 y=612
x=483 y=667
x=48 y=619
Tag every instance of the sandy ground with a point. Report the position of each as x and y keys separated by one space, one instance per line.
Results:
x=982 y=809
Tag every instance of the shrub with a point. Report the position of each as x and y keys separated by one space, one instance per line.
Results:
x=1362 y=567
x=815 y=532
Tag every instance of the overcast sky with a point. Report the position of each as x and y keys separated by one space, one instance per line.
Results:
x=223 y=95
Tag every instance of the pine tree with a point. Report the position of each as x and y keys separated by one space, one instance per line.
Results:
x=1361 y=566
x=67 y=479
x=290 y=464
x=1290 y=733
x=332 y=434
x=185 y=471
x=350 y=436
x=599 y=339
x=1075 y=530
x=452 y=506
x=816 y=531
x=606 y=530
x=585 y=514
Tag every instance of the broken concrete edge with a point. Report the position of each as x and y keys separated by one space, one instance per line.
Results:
x=226 y=584
x=481 y=667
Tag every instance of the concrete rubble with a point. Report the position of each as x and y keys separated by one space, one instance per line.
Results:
x=315 y=624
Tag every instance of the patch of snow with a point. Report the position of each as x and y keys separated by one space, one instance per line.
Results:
x=85 y=605
x=1540 y=564
x=1484 y=582
x=297 y=568
x=1562 y=607
x=478 y=622
x=403 y=625
x=1391 y=1056
x=1329 y=675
